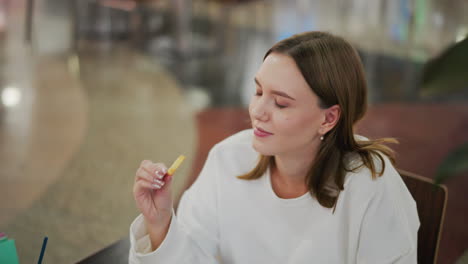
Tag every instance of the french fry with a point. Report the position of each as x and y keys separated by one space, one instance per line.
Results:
x=175 y=165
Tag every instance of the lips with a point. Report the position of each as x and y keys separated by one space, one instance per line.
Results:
x=261 y=133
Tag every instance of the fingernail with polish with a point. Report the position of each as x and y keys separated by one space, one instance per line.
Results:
x=158 y=182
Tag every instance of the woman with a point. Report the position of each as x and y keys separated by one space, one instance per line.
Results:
x=299 y=187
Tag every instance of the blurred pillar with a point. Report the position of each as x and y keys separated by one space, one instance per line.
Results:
x=28 y=21
x=182 y=10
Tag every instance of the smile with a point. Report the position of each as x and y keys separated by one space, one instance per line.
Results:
x=261 y=133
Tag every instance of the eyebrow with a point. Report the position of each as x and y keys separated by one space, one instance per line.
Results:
x=275 y=91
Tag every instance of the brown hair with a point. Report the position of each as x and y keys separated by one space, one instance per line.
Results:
x=333 y=70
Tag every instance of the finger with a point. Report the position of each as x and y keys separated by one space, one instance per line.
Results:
x=145 y=163
x=160 y=171
x=167 y=185
x=145 y=185
x=143 y=174
x=156 y=182
x=157 y=169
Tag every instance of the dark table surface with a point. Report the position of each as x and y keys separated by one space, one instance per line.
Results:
x=116 y=253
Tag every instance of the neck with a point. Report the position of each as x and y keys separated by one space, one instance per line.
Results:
x=292 y=168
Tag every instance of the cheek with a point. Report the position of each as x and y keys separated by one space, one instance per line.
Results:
x=296 y=124
x=287 y=125
x=251 y=106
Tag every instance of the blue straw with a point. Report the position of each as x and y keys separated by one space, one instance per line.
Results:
x=44 y=244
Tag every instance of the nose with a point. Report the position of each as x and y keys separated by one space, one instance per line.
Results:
x=258 y=111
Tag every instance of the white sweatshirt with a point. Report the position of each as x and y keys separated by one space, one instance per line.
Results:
x=222 y=219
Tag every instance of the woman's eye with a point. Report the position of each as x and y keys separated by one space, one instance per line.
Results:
x=280 y=106
x=258 y=93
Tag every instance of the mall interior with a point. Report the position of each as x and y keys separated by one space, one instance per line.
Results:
x=90 y=88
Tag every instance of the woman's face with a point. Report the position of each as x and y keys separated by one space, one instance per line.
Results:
x=284 y=111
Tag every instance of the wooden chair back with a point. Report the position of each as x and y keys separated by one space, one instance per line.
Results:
x=431 y=201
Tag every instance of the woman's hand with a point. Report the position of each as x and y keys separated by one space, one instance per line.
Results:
x=153 y=195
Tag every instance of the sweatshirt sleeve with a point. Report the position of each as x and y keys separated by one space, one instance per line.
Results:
x=389 y=228
x=193 y=234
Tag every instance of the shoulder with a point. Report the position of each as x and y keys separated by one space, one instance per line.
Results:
x=362 y=180
x=360 y=137
x=239 y=140
x=362 y=187
x=235 y=153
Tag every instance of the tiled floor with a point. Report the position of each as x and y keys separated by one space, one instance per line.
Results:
x=75 y=123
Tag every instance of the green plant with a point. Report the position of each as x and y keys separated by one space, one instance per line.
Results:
x=454 y=164
x=447 y=73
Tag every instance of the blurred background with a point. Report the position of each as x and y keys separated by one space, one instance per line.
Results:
x=90 y=88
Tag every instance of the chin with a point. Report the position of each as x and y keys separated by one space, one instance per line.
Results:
x=262 y=148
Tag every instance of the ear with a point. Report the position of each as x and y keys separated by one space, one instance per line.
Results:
x=332 y=116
